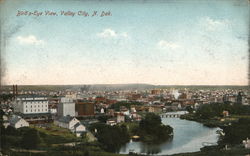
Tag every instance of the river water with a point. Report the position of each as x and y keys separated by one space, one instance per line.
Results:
x=188 y=137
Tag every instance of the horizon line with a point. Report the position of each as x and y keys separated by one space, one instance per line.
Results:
x=124 y=84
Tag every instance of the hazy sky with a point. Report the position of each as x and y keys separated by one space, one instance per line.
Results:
x=171 y=42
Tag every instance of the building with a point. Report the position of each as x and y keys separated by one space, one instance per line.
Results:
x=155 y=91
x=246 y=143
x=225 y=113
x=66 y=107
x=79 y=129
x=31 y=104
x=120 y=117
x=84 y=108
x=111 y=122
x=53 y=103
x=155 y=109
x=71 y=123
x=18 y=122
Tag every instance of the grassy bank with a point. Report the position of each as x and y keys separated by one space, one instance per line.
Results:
x=231 y=152
x=216 y=121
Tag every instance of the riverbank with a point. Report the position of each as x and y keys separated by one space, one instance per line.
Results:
x=214 y=122
x=236 y=151
x=189 y=136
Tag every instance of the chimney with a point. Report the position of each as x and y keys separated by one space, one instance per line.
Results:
x=16 y=91
x=13 y=88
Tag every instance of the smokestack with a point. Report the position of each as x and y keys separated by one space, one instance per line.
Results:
x=13 y=88
x=16 y=91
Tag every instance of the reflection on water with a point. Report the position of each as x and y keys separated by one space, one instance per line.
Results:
x=188 y=137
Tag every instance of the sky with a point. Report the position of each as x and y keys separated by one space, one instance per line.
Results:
x=185 y=42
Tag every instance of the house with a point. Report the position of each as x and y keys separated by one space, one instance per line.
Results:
x=72 y=124
x=225 y=113
x=155 y=109
x=5 y=117
x=66 y=122
x=120 y=117
x=18 y=122
x=246 y=143
x=102 y=111
x=111 y=122
x=79 y=129
x=136 y=117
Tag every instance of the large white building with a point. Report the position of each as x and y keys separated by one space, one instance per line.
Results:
x=31 y=104
x=66 y=107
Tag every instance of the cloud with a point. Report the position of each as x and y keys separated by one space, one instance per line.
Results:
x=31 y=39
x=167 y=45
x=109 y=33
x=124 y=34
x=213 y=25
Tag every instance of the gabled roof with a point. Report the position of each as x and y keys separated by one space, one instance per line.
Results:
x=66 y=119
x=78 y=124
x=14 y=120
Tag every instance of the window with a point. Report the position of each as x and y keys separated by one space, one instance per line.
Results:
x=26 y=110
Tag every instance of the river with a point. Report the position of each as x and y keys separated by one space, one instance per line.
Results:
x=188 y=137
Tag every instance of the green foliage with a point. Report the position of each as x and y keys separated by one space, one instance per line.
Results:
x=11 y=131
x=111 y=137
x=5 y=97
x=237 y=132
x=117 y=105
x=209 y=111
x=189 y=109
x=103 y=118
x=205 y=112
x=30 y=139
x=152 y=130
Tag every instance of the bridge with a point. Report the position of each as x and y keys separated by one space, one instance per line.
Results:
x=170 y=115
x=208 y=144
x=173 y=114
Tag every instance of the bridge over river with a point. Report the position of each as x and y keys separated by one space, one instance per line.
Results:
x=173 y=114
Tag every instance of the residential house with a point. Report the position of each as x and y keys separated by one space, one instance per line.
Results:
x=111 y=122
x=72 y=124
x=18 y=122
x=246 y=143
x=79 y=129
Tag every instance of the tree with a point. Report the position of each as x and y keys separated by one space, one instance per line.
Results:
x=189 y=109
x=205 y=112
x=152 y=130
x=111 y=137
x=237 y=132
x=30 y=139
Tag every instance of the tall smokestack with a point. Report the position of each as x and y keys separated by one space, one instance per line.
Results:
x=13 y=89
x=16 y=91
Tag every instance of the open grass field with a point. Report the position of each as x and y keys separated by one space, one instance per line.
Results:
x=56 y=131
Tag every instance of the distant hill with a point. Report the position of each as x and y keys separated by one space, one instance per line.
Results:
x=114 y=87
